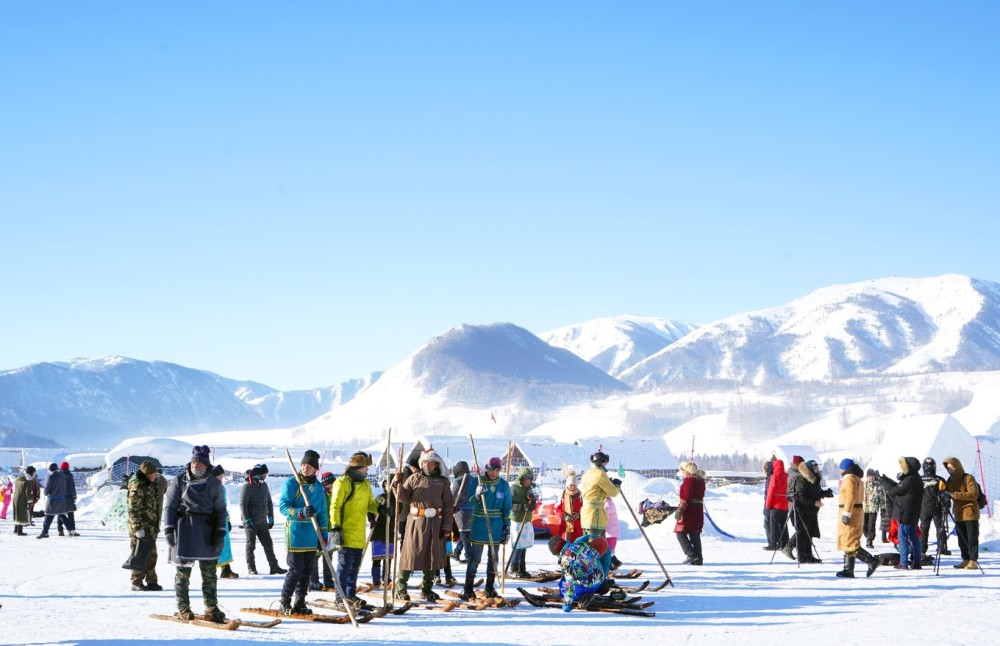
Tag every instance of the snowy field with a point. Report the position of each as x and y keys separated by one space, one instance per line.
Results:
x=73 y=591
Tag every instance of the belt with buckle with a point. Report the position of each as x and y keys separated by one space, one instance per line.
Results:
x=429 y=512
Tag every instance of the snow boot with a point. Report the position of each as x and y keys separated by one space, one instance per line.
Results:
x=300 y=607
x=227 y=573
x=885 y=537
x=138 y=587
x=787 y=551
x=154 y=587
x=961 y=566
x=615 y=563
x=468 y=593
x=869 y=560
x=848 y=571
x=61 y=533
x=19 y=530
x=184 y=614
x=215 y=615
x=972 y=565
x=42 y=536
x=488 y=590
x=430 y=595
x=285 y=606
x=275 y=569
x=251 y=570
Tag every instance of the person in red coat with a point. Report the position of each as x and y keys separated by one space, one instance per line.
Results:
x=690 y=512
x=776 y=504
x=568 y=510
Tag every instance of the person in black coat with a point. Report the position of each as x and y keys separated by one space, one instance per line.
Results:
x=908 y=493
x=808 y=499
x=257 y=512
x=935 y=506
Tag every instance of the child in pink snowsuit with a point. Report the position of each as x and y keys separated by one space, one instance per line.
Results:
x=6 y=492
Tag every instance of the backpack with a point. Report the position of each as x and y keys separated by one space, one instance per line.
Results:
x=981 y=497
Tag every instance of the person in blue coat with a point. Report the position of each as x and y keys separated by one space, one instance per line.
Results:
x=493 y=492
x=226 y=555
x=301 y=542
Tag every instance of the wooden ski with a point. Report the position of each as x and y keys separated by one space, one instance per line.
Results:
x=231 y=624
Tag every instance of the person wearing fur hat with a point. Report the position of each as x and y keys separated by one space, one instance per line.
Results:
x=964 y=492
x=595 y=486
x=584 y=565
x=851 y=518
x=463 y=491
x=144 y=507
x=301 y=542
x=194 y=522
x=60 y=499
x=490 y=527
x=568 y=509
x=690 y=512
x=935 y=506
x=226 y=554
x=351 y=500
x=426 y=494
x=808 y=497
x=908 y=493
x=257 y=515
x=523 y=500
x=24 y=486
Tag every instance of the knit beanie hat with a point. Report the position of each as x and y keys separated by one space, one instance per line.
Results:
x=147 y=468
x=217 y=470
x=327 y=478
x=202 y=454
x=53 y=467
x=261 y=468
x=556 y=544
x=311 y=458
x=796 y=460
x=599 y=545
x=571 y=479
x=870 y=472
x=846 y=464
x=30 y=470
x=494 y=463
x=64 y=466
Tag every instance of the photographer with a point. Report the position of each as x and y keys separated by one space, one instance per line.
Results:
x=935 y=506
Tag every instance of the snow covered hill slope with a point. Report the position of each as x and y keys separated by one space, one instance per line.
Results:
x=617 y=343
x=886 y=326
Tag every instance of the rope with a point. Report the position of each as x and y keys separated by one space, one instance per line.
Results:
x=717 y=528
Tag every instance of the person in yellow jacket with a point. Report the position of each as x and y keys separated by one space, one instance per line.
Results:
x=852 y=517
x=964 y=491
x=350 y=502
x=595 y=486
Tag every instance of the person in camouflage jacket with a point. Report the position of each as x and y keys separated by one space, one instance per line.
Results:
x=145 y=506
x=874 y=502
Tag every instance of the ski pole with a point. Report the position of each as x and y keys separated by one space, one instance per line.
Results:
x=486 y=512
x=396 y=542
x=322 y=543
x=643 y=530
x=385 y=558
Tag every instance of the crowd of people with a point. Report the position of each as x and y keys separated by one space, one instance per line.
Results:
x=908 y=505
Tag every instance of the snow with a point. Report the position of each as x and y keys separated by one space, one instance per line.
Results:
x=73 y=591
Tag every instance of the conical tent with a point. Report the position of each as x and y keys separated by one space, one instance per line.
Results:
x=924 y=436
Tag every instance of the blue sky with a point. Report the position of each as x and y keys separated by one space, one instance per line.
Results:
x=302 y=193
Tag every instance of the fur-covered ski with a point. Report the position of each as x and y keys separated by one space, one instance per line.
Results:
x=540 y=601
x=444 y=605
x=482 y=602
x=630 y=574
x=321 y=618
x=231 y=624
x=363 y=614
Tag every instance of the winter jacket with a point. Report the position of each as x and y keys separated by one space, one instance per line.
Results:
x=582 y=570
x=874 y=497
x=523 y=498
x=909 y=491
x=935 y=503
x=195 y=511
x=22 y=486
x=144 y=505
x=60 y=493
x=463 y=491
x=852 y=493
x=226 y=553
x=964 y=491
x=351 y=501
x=777 y=497
x=387 y=504
x=807 y=493
x=256 y=504
x=595 y=486
x=300 y=533
x=614 y=528
x=498 y=505
x=691 y=507
x=424 y=540
x=568 y=510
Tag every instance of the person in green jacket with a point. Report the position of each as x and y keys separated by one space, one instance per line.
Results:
x=350 y=503
x=523 y=498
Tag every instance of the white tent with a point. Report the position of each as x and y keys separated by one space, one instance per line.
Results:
x=922 y=436
x=785 y=453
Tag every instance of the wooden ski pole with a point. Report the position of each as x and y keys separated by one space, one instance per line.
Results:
x=503 y=574
x=322 y=543
x=385 y=547
x=643 y=530
x=486 y=512
x=395 y=540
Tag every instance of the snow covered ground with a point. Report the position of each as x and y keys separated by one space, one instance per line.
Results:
x=73 y=591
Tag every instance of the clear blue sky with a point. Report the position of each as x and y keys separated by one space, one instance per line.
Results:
x=301 y=193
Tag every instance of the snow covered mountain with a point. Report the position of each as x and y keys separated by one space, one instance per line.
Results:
x=98 y=402
x=889 y=326
x=615 y=344
x=458 y=380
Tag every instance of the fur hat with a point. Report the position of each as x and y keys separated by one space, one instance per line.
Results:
x=202 y=454
x=430 y=455
x=690 y=468
x=64 y=466
x=556 y=544
x=327 y=478
x=846 y=464
x=360 y=459
x=311 y=458
x=147 y=468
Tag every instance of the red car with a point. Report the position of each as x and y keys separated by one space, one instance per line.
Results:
x=545 y=521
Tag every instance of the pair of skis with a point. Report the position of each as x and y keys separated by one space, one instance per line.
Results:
x=595 y=604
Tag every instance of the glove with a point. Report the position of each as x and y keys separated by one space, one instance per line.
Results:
x=229 y=526
x=336 y=537
x=270 y=522
x=505 y=534
x=445 y=532
x=481 y=491
x=828 y=493
x=307 y=512
x=141 y=533
x=248 y=524
x=616 y=482
x=845 y=519
x=171 y=538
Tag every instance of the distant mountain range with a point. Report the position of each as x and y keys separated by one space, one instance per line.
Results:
x=887 y=327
